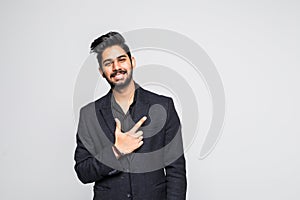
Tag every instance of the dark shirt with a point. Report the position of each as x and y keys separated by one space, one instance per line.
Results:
x=126 y=119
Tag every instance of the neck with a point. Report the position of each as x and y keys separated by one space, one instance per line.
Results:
x=124 y=95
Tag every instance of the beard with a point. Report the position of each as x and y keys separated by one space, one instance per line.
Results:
x=120 y=84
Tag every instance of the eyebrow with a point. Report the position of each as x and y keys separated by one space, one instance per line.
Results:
x=109 y=59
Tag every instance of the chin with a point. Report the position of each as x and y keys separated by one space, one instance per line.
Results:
x=121 y=85
x=118 y=84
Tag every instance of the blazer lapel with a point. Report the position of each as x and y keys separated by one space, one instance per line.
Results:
x=141 y=109
x=105 y=116
x=141 y=106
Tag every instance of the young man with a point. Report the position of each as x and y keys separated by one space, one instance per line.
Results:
x=129 y=141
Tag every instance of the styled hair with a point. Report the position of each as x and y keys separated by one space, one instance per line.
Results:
x=108 y=40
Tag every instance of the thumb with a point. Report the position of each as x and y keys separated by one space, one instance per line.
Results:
x=118 y=125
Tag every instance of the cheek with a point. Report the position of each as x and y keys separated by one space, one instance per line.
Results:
x=126 y=66
x=106 y=73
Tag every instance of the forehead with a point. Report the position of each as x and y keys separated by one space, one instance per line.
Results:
x=113 y=52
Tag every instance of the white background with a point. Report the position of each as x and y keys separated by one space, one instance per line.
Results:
x=254 y=45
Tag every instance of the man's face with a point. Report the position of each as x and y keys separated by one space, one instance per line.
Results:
x=116 y=66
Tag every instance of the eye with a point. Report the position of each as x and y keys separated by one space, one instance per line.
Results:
x=122 y=59
x=107 y=64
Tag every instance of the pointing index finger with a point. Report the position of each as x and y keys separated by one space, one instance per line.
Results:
x=138 y=124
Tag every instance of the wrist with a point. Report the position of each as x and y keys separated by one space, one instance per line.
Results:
x=117 y=152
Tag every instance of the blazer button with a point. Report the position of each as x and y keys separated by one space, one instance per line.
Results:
x=128 y=195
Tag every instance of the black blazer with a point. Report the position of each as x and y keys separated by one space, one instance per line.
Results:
x=129 y=178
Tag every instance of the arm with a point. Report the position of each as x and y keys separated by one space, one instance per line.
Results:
x=88 y=168
x=175 y=169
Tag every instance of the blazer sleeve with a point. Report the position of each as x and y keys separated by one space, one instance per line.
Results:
x=174 y=156
x=87 y=167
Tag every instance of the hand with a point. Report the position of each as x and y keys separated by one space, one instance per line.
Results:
x=128 y=142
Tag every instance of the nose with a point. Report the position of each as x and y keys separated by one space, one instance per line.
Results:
x=115 y=65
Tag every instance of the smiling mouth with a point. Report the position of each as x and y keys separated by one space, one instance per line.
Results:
x=118 y=73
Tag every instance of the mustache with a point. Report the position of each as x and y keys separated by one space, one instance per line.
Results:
x=118 y=71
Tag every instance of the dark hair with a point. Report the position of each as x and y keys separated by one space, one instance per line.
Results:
x=108 y=40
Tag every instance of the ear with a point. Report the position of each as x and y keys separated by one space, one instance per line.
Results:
x=133 y=62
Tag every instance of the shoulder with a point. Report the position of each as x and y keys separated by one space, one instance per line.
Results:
x=154 y=98
x=97 y=104
x=88 y=108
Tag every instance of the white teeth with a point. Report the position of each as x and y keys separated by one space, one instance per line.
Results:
x=119 y=76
